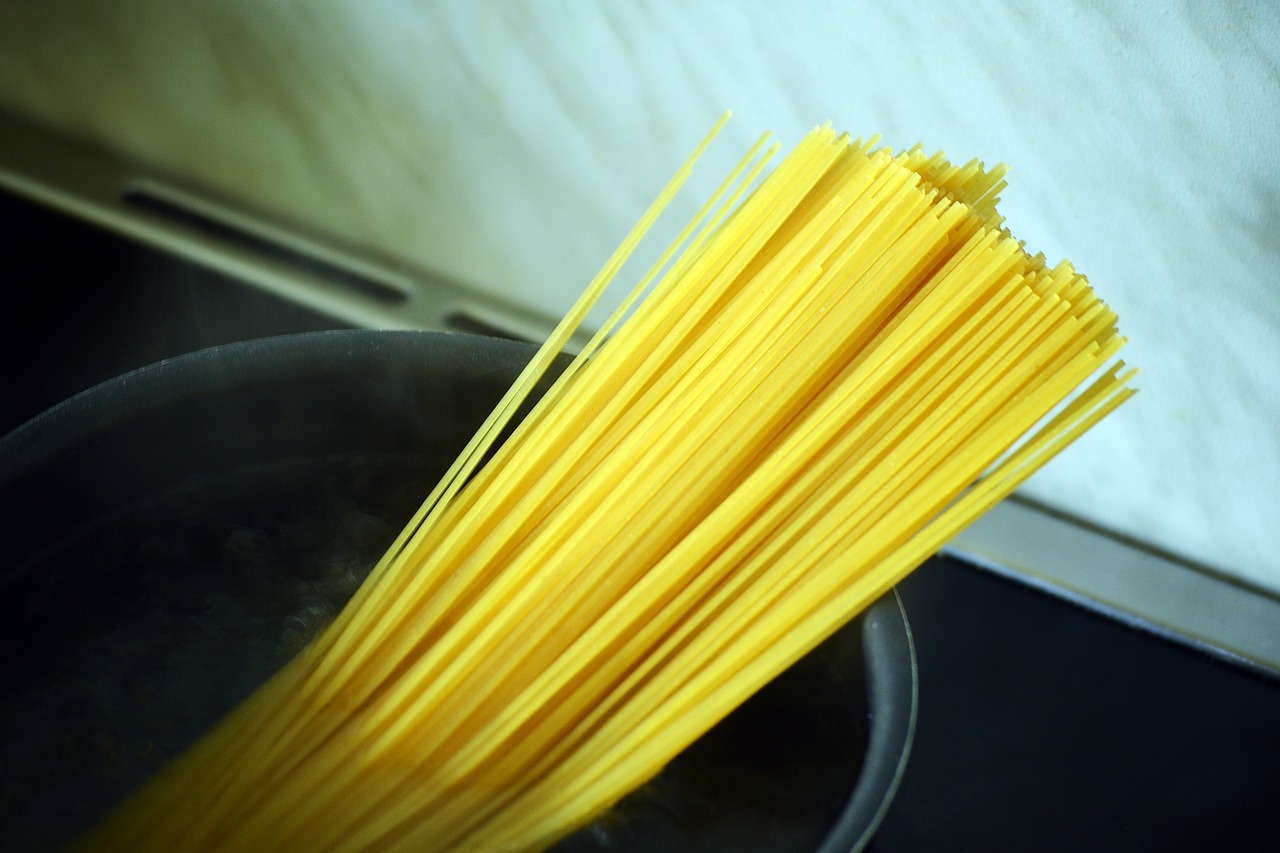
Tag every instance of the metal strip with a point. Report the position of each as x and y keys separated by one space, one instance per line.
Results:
x=312 y=270
x=1123 y=580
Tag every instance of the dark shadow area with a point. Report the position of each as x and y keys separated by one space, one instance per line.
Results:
x=1048 y=728
x=83 y=306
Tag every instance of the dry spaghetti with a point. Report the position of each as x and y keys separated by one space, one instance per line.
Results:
x=836 y=367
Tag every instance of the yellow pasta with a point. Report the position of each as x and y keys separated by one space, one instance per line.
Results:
x=836 y=367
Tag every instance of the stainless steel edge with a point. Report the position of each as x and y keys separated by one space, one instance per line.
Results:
x=92 y=185
x=1124 y=580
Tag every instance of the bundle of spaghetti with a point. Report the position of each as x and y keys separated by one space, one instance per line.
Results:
x=835 y=368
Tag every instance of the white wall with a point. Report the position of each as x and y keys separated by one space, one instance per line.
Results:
x=510 y=145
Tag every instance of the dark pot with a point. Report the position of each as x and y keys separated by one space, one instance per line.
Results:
x=172 y=537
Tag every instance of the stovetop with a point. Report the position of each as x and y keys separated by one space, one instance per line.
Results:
x=1042 y=726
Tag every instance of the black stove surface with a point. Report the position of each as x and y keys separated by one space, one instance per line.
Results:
x=1042 y=726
